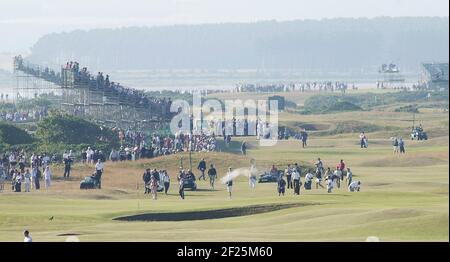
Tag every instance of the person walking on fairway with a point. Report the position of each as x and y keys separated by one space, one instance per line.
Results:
x=181 y=188
x=281 y=185
x=252 y=178
x=349 y=176
x=244 y=148
x=288 y=172
x=401 y=145
x=146 y=178
x=329 y=184
x=212 y=174
x=166 y=181
x=154 y=187
x=296 y=179
x=229 y=182
x=304 y=138
x=202 y=168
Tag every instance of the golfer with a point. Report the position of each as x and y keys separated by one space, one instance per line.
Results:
x=229 y=182
x=181 y=189
x=166 y=180
x=329 y=184
x=202 y=168
x=212 y=173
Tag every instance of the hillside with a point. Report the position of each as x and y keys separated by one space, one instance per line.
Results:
x=316 y=45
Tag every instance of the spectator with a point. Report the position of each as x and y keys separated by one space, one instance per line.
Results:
x=27 y=178
x=99 y=172
x=308 y=180
x=154 y=187
x=146 y=178
x=47 y=177
x=297 y=182
x=401 y=145
x=281 y=185
x=212 y=174
x=202 y=168
x=166 y=181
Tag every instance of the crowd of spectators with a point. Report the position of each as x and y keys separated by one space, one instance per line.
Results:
x=326 y=86
x=23 y=115
x=73 y=75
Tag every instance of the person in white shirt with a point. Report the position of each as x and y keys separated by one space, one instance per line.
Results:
x=99 y=172
x=45 y=160
x=89 y=155
x=166 y=181
x=27 y=237
x=27 y=178
x=47 y=177
x=354 y=186
x=349 y=176
x=337 y=177
x=296 y=179
x=329 y=184
x=308 y=180
x=252 y=178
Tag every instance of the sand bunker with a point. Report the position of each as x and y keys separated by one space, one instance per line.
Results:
x=210 y=214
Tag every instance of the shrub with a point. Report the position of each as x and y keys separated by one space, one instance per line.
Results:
x=12 y=135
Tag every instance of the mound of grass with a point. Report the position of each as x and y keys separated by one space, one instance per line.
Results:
x=408 y=109
x=352 y=126
x=327 y=103
x=342 y=106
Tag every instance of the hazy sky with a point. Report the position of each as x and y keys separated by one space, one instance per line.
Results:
x=22 y=22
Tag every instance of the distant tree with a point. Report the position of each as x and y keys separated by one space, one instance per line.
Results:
x=66 y=129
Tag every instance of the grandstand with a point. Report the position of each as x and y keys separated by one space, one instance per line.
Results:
x=83 y=95
x=434 y=75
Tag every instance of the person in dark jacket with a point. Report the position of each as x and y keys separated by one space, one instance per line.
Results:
x=146 y=178
x=281 y=186
x=202 y=168
x=304 y=138
x=212 y=173
x=181 y=189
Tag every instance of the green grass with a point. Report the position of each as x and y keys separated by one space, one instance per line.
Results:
x=403 y=198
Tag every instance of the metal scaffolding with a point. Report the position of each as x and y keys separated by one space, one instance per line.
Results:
x=77 y=98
